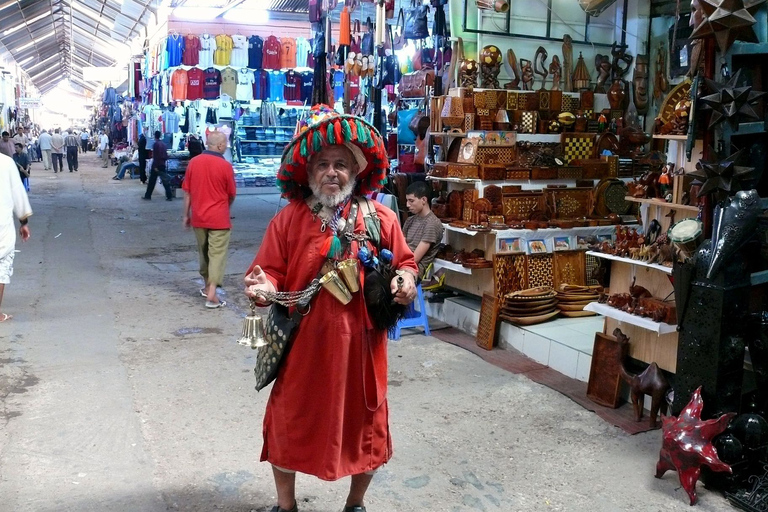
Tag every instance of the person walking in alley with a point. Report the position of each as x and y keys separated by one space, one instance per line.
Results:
x=45 y=149
x=327 y=413
x=143 y=158
x=84 y=141
x=57 y=143
x=73 y=146
x=209 y=190
x=13 y=201
x=104 y=148
x=21 y=137
x=159 y=159
x=6 y=145
x=21 y=158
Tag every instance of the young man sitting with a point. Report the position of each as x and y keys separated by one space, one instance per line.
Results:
x=423 y=230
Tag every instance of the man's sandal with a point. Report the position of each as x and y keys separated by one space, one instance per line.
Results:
x=294 y=509
x=356 y=508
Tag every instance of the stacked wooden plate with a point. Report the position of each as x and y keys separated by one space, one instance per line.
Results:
x=529 y=307
x=571 y=299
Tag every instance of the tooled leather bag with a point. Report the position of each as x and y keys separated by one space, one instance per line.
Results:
x=415 y=85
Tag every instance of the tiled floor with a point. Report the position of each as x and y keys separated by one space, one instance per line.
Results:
x=564 y=344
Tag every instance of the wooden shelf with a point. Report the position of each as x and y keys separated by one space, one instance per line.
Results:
x=662 y=204
x=638 y=321
x=448 y=227
x=671 y=137
x=661 y=268
x=456 y=267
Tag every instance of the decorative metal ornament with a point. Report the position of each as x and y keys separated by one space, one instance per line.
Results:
x=687 y=444
x=734 y=224
x=727 y=21
x=756 y=497
x=730 y=103
x=723 y=177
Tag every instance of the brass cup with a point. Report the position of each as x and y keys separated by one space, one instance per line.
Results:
x=348 y=270
x=335 y=286
x=501 y=6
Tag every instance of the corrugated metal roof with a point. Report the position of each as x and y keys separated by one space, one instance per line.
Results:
x=80 y=32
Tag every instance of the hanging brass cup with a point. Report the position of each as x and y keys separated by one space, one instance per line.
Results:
x=348 y=270
x=336 y=287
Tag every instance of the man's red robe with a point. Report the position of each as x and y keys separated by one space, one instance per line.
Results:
x=327 y=413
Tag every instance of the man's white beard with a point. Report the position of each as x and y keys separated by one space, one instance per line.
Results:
x=334 y=200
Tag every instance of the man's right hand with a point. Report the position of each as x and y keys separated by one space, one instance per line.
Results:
x=24 y=232
x=256 y=282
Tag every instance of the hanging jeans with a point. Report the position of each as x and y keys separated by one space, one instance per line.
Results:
x=163 y=175
x=72 y=158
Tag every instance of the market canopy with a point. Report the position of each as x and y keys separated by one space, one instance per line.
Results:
x=52 y=40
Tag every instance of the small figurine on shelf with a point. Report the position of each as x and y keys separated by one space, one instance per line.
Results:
x=540 y=65
x=603 y=67
x=602 y=123
x=555 y=69
x=527 y=71
x=665 y=182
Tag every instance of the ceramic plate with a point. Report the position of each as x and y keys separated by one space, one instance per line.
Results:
x=530 y=320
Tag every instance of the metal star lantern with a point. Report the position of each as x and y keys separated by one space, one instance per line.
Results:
x=728 y=21
x=730 y=103
x=687 y=444
x=724 y=176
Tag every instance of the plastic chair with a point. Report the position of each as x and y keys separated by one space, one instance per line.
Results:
x=413 y=318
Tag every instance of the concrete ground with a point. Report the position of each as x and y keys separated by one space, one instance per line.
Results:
x=119 y=391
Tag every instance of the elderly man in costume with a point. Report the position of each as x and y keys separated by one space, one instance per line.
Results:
x=327 y=414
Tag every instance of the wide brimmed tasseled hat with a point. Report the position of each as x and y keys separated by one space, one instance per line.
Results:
x=322 y=127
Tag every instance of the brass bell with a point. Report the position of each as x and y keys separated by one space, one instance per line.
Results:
x=253 y=331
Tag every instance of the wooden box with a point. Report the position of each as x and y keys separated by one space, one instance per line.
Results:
x=471 y=195
x=518 y=173
x=511 y=189
x=528 y=101
x=495 y=154
x=492 y=172
x=570 y=267
x=520 y=206
x=540 y=271
x=569 y=173
x=604 y=385
x=569 y=203
x=487 y=329
x=510 y=273
x=512 y=100
x=456 y=170
x=613 y=165
x=469 y=122
x=439 y=170
x=544 y=173
x=468 y=214
x=593 y=168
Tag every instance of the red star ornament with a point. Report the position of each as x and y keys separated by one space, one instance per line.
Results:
x=687 y=444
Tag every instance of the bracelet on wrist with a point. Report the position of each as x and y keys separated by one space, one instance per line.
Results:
x=24 y=222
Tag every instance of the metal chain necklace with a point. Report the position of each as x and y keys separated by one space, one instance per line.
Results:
x=290 y=299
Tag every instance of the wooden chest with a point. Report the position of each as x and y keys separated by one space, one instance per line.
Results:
x=493 y=172
x=456 y=170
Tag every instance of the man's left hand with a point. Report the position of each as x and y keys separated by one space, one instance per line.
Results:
x=24 y=232
x=407 y=292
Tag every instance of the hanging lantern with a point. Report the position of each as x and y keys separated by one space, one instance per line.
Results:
x=595 y=7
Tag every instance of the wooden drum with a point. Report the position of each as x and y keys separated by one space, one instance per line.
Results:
x=687 y=235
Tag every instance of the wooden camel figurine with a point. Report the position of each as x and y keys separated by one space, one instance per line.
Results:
x=651 y=382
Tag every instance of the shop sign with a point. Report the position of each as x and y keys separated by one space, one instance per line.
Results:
x=30 y=102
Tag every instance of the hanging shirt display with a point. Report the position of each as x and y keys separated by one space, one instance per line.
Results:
x=244 y=85
x=239 y=52
x=171 y=121
x=175 y=48
x=223 y=53
x=195 y=80
x=260 y=84
x=292 y=87
x=338 y=85
x=211 y=83
x=287 y=53
x=207 y=49
x=229 y=82
x=255 y=47
x=179 y=83
x=191 y=56
x=276 y=83
x=225 y=107
x=302 y=51
x=307 y=78
x=271 y=53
